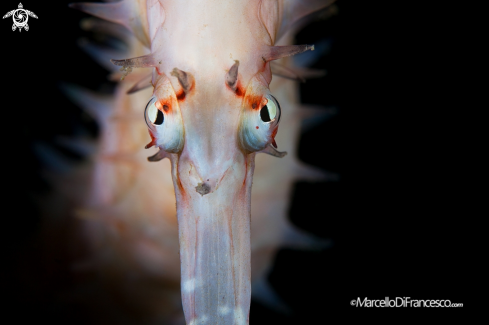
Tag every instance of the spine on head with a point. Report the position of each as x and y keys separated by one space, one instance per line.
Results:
x=278 y=52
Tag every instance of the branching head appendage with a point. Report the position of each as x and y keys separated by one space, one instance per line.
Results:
x=232 y=76
x=186 y=80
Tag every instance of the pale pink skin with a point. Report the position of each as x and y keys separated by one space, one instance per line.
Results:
x=204 y=38
x=214 y=229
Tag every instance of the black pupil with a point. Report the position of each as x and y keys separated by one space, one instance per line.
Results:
x=159 y=118
x=265 y=117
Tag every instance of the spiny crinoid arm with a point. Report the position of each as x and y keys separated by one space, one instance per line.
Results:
x=30 y=13
x=8 y=14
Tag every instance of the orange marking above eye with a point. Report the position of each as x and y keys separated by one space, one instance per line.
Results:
x=181 y=95
x=164 y=105
x=254 y=102
x=239 y=89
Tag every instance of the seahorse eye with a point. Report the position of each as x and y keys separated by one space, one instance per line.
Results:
x=271 y=110
x=265 y=114
x=257 y=129
x=159 y=118
x=152 y=115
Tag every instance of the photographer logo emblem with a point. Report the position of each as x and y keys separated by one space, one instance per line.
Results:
x=20 y=17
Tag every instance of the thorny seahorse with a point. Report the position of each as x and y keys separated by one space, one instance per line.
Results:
x=210 y=106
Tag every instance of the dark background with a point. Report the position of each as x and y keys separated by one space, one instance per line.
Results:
x=394 y=218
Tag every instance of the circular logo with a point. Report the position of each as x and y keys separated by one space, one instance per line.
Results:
x=20 y=17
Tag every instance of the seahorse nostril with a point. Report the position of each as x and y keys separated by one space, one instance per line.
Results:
x=203 y=189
